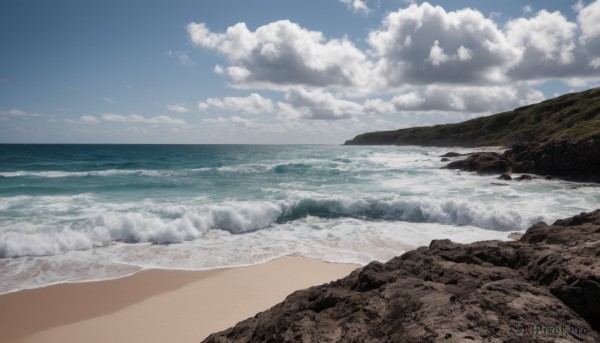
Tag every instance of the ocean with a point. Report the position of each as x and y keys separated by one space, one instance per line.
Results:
x=73 y=213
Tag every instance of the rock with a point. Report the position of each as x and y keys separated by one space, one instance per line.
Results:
x=525 y=177
x=498 y=184
x=451 y=154
x=505 y=177
x=548 y=177
x=515 y=235
x=491 y=291
x=445 y=159
x=482 y=163
x=561 y=157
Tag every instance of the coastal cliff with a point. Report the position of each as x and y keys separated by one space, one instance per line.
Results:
x=574 y=116
x=543 y=288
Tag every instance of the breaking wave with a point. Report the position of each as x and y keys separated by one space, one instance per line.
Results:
x=175 y=223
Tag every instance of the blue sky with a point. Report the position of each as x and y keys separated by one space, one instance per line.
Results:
x=318 y=71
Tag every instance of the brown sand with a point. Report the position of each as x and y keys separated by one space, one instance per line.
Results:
x=157 y=305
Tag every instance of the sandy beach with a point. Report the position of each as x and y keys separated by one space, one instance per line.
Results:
x=157 y=305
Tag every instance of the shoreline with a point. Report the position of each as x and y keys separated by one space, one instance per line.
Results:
x=157 y=305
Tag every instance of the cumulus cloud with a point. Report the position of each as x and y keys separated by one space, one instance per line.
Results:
x=406 y=101
x=460 y=99
x=252 y=104
x=422 y=61
x=178 y=108
x=415 y=46
x=316 y=104
x=282 y=54
x=589 y=22
x=471 y=99
x=547 y=47
x=424 y=44
x=357 y=6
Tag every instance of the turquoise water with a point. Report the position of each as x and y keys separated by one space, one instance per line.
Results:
x=87 y=212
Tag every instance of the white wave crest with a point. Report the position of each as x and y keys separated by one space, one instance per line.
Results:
x=174 y=223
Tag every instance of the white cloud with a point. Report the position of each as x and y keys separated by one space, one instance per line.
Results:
x=357 y=6
x=549 y=36
x=317 y=104
x=252 y=104
x=136 y=118
x=437 y=55
x=282 y=54
x=89 y=119
x=458 y=99
x=409 y=100
x=108 y=100
x=589 y=21
x=461 y=47
x=231 y=121
x=13 y=112
x=133 y=118
x=378 y=106
x=527 y=9
x=423 y=61
x=578 y=6
x=178 y=108
x=219 y=70
x=477 y=99
x=166 y=120
x=181 y=56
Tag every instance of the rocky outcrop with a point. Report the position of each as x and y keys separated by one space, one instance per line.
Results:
x=555 y=157
x=543 y=288
x=483 y=163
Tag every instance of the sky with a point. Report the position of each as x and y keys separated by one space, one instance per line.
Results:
x=280 y=71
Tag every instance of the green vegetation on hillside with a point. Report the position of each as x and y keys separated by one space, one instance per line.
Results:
x=574 y=116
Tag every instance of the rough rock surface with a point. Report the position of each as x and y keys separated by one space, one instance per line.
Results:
x=482 y=163
x=554 y=157
x=543 y=288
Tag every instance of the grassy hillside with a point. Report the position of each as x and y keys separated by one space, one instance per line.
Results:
x=575 y=115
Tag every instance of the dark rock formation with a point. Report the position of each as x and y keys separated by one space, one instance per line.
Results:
x=483 y=163
x=543 y=288
x=505 y=176
x=556 y=157
x=445 y=159
x=563 y=157
x=451 y=154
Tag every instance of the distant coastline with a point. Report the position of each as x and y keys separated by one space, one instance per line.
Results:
x=574 y=116
x=557 y=137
